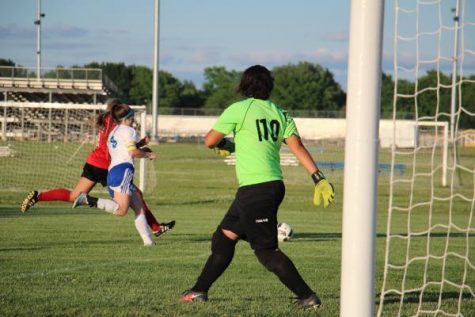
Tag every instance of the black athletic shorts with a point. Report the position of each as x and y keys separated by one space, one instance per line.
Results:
x=253 y=214
x=95 y=174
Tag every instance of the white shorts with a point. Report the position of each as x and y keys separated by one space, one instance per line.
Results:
x=120 y=179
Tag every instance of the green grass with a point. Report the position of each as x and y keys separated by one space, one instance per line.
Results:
x=63 y=262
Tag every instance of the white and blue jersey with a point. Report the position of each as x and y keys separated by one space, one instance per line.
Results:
x=121 y=170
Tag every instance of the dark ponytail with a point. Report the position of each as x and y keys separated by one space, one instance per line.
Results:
x=100 y=120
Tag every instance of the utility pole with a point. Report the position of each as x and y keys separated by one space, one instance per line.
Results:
x=453 y=98
x=37 y=22
x=156 y=59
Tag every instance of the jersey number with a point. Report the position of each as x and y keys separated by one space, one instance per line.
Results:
x=113 y=142
x=273 y=126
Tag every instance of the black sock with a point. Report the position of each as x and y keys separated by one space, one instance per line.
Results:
x=92 y=201
x=222 y=254
x=278 y=263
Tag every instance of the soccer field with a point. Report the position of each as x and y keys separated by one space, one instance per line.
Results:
x=56 y=261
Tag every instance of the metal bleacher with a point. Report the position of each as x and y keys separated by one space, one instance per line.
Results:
x=24 y=94
x=62 y=85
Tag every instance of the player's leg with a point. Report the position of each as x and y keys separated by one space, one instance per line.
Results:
x=88 y=180
x=259 y=219
x=120 y=187
x=151 y=220
x=84 y=185
x=108 y=205
x=57 y=194
x=223 y=245
x=157 y=228
x=136 y=203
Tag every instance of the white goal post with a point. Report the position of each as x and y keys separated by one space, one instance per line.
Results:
x=361 y=158
x=426 y=263
x=49 y=142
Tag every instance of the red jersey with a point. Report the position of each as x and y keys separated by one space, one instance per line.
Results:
x=100 y=157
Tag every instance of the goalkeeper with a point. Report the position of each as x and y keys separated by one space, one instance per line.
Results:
x=259 y=127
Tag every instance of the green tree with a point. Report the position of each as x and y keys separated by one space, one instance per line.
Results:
x=467 y=118
x=190 y=96
x=433 y=94
x=6 y=62
x=117 y=73
x=220 y=87
x=9 y=72
x=140 y=92
x=387 y=92
x=307 y=86
x=170 y=90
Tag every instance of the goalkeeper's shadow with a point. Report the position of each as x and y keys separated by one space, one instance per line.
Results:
x=316 y=236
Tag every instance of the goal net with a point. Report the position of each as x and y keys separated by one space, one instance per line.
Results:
x=429 y=258
x=44 y=145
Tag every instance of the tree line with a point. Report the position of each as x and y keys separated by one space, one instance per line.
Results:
x=301 y=86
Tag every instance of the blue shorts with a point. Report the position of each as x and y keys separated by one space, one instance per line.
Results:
x=120 y=179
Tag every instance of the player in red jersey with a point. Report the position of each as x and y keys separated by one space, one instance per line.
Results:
x=95 y=171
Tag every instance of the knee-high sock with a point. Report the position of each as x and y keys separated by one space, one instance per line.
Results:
x=222 y=253
x=142 y=228
x=151 y=220
x=278 y=263
x=57 y=194
x=107 y=205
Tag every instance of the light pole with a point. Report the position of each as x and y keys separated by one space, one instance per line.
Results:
x=453 y=97
x=156 y=58
x=37 y=22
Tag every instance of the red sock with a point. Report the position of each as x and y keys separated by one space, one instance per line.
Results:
x=152 y=222
x=60 y=194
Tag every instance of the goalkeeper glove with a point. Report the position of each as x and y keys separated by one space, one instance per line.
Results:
x=224 y=148
x=323 y=190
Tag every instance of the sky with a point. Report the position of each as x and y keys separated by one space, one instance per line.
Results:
x=231 y=33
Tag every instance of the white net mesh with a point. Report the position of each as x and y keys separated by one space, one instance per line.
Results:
x=44 y=145
x=429 y=266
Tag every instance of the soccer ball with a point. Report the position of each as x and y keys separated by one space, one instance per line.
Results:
x=284 y=231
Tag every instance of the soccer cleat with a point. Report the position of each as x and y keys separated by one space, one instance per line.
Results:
x=81 y=200
x=192 y=296
x=164 y=227
x=29 y=201
x=311 y=302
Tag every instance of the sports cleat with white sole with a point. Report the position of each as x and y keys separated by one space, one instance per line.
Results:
x=192 y=296
x=164 y=228
x=81 y=200
x=29 y=201
x=311 y=302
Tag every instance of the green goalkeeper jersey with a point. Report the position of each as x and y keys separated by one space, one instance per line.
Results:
x=259 y=128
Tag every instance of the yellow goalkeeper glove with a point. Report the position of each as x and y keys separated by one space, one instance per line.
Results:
x=224 y=148
x=323 y=190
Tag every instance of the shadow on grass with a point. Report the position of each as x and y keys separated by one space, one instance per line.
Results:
x=194 y=237
x=193 y=202
x=315 y=236
x=70 y=244
x=432 y=235
x=331 y=236
x=414 y=297
x=14 y=212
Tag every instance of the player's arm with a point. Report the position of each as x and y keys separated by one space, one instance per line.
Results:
x=216 y=140
x=323 y=189
x=144 y=141
x=138 y=153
